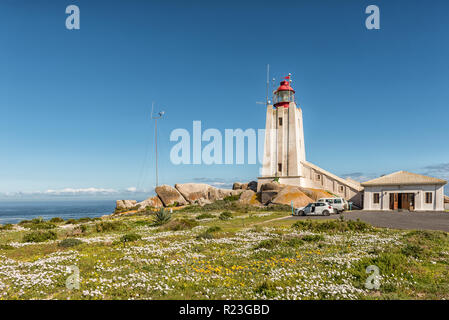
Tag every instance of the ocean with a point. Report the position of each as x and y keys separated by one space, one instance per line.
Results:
x=14 y=212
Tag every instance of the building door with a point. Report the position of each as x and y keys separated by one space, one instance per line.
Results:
x=405 y=201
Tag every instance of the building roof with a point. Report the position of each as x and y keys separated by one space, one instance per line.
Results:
x=403 y=178
x=352 y=184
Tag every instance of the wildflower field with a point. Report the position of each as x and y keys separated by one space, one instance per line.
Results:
x=241 y=254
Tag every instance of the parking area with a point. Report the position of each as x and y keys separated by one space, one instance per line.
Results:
x=396 y=220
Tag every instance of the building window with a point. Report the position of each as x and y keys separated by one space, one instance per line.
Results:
x=318 y=177
x=376 y=198
x=280 y=121
x=429 y=197
x=341 y=188
x=280 y=167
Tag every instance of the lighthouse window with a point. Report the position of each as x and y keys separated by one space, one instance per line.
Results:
x=280 y=121
x=280 y=167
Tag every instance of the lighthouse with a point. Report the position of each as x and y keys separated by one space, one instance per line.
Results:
x=284 y=148
x=284 y=158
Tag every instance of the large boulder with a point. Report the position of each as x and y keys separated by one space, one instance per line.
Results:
x=249 y=197
x=170 y=196
x=239 y=186
x=267 y=195
x=316 y=194
x=201 y=193
x=252 y=185
x=153 y=202
x=125 y=204
x=291 y=194
x=271 y=186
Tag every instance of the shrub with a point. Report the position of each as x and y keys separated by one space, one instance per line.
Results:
x=295 y=242
x=267 y=244
x=106 y=226
x=234 y=197
x=70 y=221
x=39 y=236
x=213 y=229
x=40 y=226
x=412 y=250
x=56 y=220
x=226 y=215
x=6 y=247
x=332 y=226
x=267 y=288
x=6 y=227
x=313 y=238
x=205 y=235
x=180 y=224
x=69 y=242
x=205 y=216
x=161 y=217
x=130 y=237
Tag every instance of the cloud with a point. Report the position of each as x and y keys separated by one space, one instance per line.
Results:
x=75 y=192
x=359 y=176
x=437 y=170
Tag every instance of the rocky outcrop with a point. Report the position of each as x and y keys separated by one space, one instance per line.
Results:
x=252 y=185
x=239 y=186
x=200 y=193
x=291 y=194
x=316 y=194
x=249 y=197
x=153 y=202
x=271 y=186
x=170 y=196
x=125 y=204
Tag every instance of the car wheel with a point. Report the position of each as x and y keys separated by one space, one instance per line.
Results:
x=302 y=213
x=326 y=213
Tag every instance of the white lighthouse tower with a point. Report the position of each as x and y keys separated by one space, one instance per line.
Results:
x=285 y=153
x=284 y=150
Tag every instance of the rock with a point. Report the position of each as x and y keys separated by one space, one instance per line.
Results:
x=249 y=197
x=267 y=195
x=316 y=194
x=292 y=193
x=125 y=204
x=252 y=186
x=202 y=193
x=271 y=186
x=239 y=186
x=170 y=196
x=153 y=202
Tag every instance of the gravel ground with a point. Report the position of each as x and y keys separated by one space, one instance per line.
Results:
x=396 y=220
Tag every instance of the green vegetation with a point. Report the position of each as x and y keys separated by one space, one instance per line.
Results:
x=205 y=216
x=39 y=236
x=130 y=237
x=254 y=255
x=226 y=215
x=161 y=217
x=69 y=242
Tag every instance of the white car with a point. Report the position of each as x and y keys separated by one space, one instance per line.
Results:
x=339 y=204
x=314 y=209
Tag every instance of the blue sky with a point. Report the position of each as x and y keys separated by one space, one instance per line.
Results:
x=75 y=104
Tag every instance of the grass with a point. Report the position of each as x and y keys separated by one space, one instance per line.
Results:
x=250 y=256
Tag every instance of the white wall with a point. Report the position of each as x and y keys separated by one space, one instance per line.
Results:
x=419 y=191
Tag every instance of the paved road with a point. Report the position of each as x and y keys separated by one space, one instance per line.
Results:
x=396 y=220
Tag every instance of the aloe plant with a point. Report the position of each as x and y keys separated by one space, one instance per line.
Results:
x=161 y=217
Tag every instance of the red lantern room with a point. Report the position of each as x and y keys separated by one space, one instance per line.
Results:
x=284 y=94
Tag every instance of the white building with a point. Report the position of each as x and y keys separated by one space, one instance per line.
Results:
x=285 y=152
x=404 y=190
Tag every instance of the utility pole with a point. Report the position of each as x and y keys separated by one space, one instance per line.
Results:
x=155 y=118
